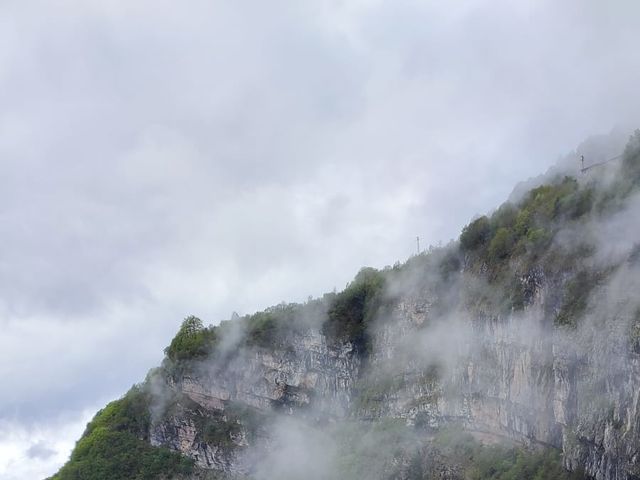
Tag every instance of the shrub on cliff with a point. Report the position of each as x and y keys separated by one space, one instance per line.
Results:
x=354 y=308
x=476 y=234
x=192 y=340
x=269 y=327
x=500 y=245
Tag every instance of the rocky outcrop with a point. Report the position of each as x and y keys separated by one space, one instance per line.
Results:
x=309 y=377
x=515 y=376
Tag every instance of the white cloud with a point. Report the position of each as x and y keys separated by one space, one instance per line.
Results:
x=28 y=452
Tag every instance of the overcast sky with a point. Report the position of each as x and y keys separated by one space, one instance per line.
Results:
x=162 y=158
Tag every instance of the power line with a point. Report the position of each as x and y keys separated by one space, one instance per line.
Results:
x=598 y=164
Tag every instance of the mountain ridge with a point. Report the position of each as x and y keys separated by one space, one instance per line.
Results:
x=526 y=329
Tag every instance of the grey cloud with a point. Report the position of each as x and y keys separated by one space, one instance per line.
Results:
x=159 y=160
x=40 y=451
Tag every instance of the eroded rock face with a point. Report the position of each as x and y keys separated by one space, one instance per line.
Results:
x=181 y=433
x=309 y=377
x=515 y=375
x=306 y=371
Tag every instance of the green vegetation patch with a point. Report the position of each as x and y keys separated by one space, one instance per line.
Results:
x=354 y=309
x=500 y=461
x=576 y=296
x=270 y=327
x=525 y=229
x=222 y=428
x=515 y=245
x=193 y=340
x=115 y=446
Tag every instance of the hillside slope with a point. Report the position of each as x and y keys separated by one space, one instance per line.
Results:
x=511 y=353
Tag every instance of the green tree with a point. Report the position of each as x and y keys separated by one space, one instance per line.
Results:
x=192 y=340
x=476 y=234
x=500 y=245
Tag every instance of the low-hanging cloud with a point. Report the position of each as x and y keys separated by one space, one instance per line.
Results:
x=158 y=160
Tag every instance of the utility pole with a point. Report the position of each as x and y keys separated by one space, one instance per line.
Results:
x=418 y=242
x=582 y=161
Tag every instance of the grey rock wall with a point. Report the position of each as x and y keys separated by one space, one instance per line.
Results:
x=515 y=375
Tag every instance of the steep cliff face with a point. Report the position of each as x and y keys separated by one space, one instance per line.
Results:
x=515 y=376
x=510 y=373
x=527 y=329
x=306 y=377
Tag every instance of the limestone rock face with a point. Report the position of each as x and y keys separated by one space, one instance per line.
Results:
x=516 y=376
x=307 y=373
